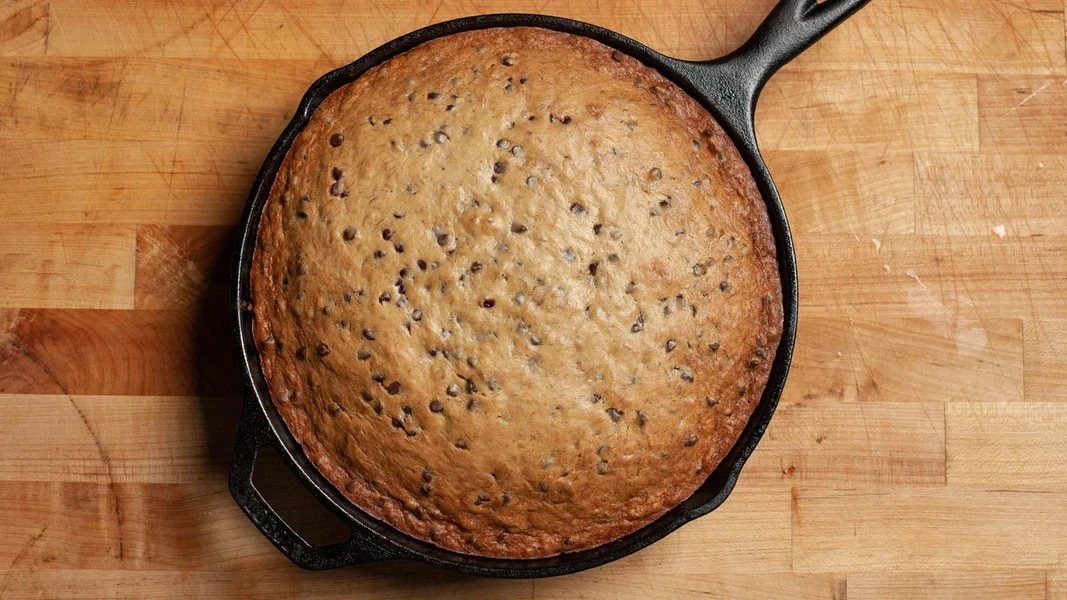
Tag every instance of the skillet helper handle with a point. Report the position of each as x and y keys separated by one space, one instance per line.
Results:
x=253 y=435
x=733 y=83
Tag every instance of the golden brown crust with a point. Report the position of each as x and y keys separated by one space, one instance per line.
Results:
x=515 y=353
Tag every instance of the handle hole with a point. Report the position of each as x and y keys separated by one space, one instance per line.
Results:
x=310 y=519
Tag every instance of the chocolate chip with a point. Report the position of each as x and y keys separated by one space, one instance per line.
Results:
x=687 y=376
x=385 y=297
x=452 y=390
x=568 y=255
x=368 y=334
x=641 y=419
x=301 y=214
x=597 y=228
x=450 y=107
x=379 y=254
x=399 y=247
x=433 y=96
x=638 y=325
x=615 y=414
x=435 y=406
x=348 y=234
x=603 y=468
x=462 y=445
x=655 y=174
x=671 y=345
x=363 y=354
x=476 y=266
x=427 y=475
x=416 y=315
x=322 y=349
x=422 y=264
x=499 y=167
x=577 y=208
x=531 y=181
x=517 y=151
x=593 y=267
x=502 y=143
x=536 y=341
x=494 y=384
x=567 y=120
x=699 y=269
x=443 y=239
x=518 y=228
x=488 y=303
x=724 y=286
x=378 y=377
x=394 y=389
x=337 y=139
x=753 y=363
x=337 y=188
x=543 y=487
x=337 y=172
x=711 y=402
x=440 y=137
x=471 y=387
x=508 y=61
x=597 y=398
x=613 y=258
x=302 y=353
x=406 y=409
x=426 y=491
x=523 y=80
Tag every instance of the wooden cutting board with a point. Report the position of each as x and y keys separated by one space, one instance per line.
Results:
x=920 y=450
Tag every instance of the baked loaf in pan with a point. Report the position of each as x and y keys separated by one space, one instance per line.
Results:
x=514 y=293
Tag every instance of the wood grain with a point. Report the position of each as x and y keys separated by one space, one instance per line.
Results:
x=1018 y=446
x=861 y=443
x=1023 y=585
x=920 y=150
x=971 y=194
x=941 y=278
x=67 y=266
x=1023 y=115
x=870 y=194
x=928 y=528
x=1045 y=359
x=138 y=352
x=122 y=439
x=894 y=359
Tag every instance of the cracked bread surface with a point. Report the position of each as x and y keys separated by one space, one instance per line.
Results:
x=515 y=293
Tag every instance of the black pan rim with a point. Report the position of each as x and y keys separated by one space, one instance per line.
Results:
x=385 y=541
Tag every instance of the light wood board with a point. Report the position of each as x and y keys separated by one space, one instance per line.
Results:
x=919 y=451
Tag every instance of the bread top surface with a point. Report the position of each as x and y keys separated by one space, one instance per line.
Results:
x=515 y=293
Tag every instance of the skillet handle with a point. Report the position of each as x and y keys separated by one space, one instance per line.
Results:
x=733 y=83
x=253 y=435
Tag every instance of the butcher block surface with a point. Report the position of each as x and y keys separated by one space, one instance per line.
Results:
x=919 y=450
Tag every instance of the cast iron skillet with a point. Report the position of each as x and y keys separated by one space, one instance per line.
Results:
x=728 y=87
